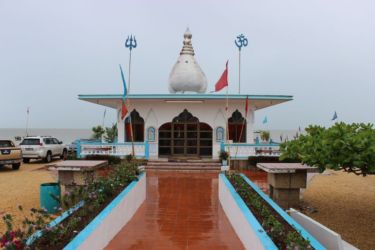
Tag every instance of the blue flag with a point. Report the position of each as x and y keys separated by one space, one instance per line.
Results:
x=123 y=81
x=334 y=116
x=265 y=120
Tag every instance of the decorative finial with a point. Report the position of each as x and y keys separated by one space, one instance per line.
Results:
x=187 y=49
x=241 y=41
x=131 y=43
x=186 y=75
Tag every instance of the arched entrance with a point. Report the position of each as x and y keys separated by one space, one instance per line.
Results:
x=137 y=128
x=237 y=127
x=185 y=136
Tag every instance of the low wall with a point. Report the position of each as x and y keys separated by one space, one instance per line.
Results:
x=330 y=239
x=104 y=227
x=246 y=226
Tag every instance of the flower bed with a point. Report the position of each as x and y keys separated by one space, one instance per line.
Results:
x=38 y=232
x=268 y=226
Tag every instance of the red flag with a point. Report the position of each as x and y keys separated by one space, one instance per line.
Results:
x=128 y=131
x=223 y=81
x=124 y=110
x=246 y=106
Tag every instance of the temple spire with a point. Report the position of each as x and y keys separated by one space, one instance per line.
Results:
x=186 y=75
x=187 y=49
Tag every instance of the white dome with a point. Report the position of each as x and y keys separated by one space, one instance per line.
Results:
x=186 y=75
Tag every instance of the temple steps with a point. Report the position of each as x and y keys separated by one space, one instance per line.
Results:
x=195 y=165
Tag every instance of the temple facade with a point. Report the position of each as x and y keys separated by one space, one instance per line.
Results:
x=187 y=122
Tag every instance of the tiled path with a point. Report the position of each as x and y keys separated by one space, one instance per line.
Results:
x=181 y=211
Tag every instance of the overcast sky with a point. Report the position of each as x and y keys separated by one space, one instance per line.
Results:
x=320 y=51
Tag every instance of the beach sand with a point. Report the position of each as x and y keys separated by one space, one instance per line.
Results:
x=21 y=188
x=345 y=203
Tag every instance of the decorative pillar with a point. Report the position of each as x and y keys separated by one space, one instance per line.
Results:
x=250 y=126
x=120 y=127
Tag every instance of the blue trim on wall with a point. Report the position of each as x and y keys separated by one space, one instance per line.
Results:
x=55 y=222
x=147 y=150
x=112 y=144
x=275 y=144
x=254 y=224
x=78 y=149
x=306 y=235
x=222 y=147
x=86 y=232
x=188 y=96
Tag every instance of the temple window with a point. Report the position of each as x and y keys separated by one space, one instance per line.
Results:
x=137 y=128
x=237 y=127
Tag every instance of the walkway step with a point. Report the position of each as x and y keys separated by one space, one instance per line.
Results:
x=183 y=164
x=182 y=168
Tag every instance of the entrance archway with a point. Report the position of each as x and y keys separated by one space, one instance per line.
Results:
x=137 y=127
x=185 y=136
x=237 y=127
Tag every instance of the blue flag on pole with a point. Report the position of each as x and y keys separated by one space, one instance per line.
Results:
x=123 y=81
x=265 y=120
x=334 y=116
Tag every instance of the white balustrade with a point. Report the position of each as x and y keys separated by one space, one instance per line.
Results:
x=113 y=149
x=243 y=151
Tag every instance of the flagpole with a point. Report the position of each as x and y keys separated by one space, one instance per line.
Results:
x=243 y=124
x=239 y=71
x=227 y=114
x=105 y=111
x=130 y=43
x=27 y=121
x=240 y=42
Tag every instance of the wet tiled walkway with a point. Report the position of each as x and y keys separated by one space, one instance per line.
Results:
x=181 y=211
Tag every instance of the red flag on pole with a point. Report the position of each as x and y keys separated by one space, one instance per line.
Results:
x=246 y=106
x=223 y=81
x=124 y=110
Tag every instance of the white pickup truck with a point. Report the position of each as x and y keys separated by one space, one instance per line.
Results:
x=42 y=147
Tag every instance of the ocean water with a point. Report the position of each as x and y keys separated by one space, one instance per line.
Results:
x=69 y=135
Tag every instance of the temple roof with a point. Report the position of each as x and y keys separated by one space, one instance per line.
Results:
x=257 y=101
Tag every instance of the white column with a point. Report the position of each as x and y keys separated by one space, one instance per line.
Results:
x=120 y=128
x=250 y=126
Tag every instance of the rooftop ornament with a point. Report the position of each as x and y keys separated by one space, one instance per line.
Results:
x=186 y=75
x=240 y=42
x=130 y=43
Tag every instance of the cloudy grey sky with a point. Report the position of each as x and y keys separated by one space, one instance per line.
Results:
x=320 y=51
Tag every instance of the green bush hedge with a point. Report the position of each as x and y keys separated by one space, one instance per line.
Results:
x=350 y=147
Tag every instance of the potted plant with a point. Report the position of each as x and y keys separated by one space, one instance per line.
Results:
x=223 y=156
x=265 y=136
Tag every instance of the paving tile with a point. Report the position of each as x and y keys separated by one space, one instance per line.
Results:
x=181 y=211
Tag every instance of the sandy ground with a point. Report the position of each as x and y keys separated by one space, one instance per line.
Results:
x=346 y=204
x=21 y=188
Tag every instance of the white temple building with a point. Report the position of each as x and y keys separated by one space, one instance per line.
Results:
x=187 y=122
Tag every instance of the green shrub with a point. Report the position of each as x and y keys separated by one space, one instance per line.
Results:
x=223 y=155
x=350 y=147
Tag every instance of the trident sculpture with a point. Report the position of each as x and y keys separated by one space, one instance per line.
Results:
x=130 y=43
x=240 y=42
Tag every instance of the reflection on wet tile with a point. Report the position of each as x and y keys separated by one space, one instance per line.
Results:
x=181 y=211
x=259 y=177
